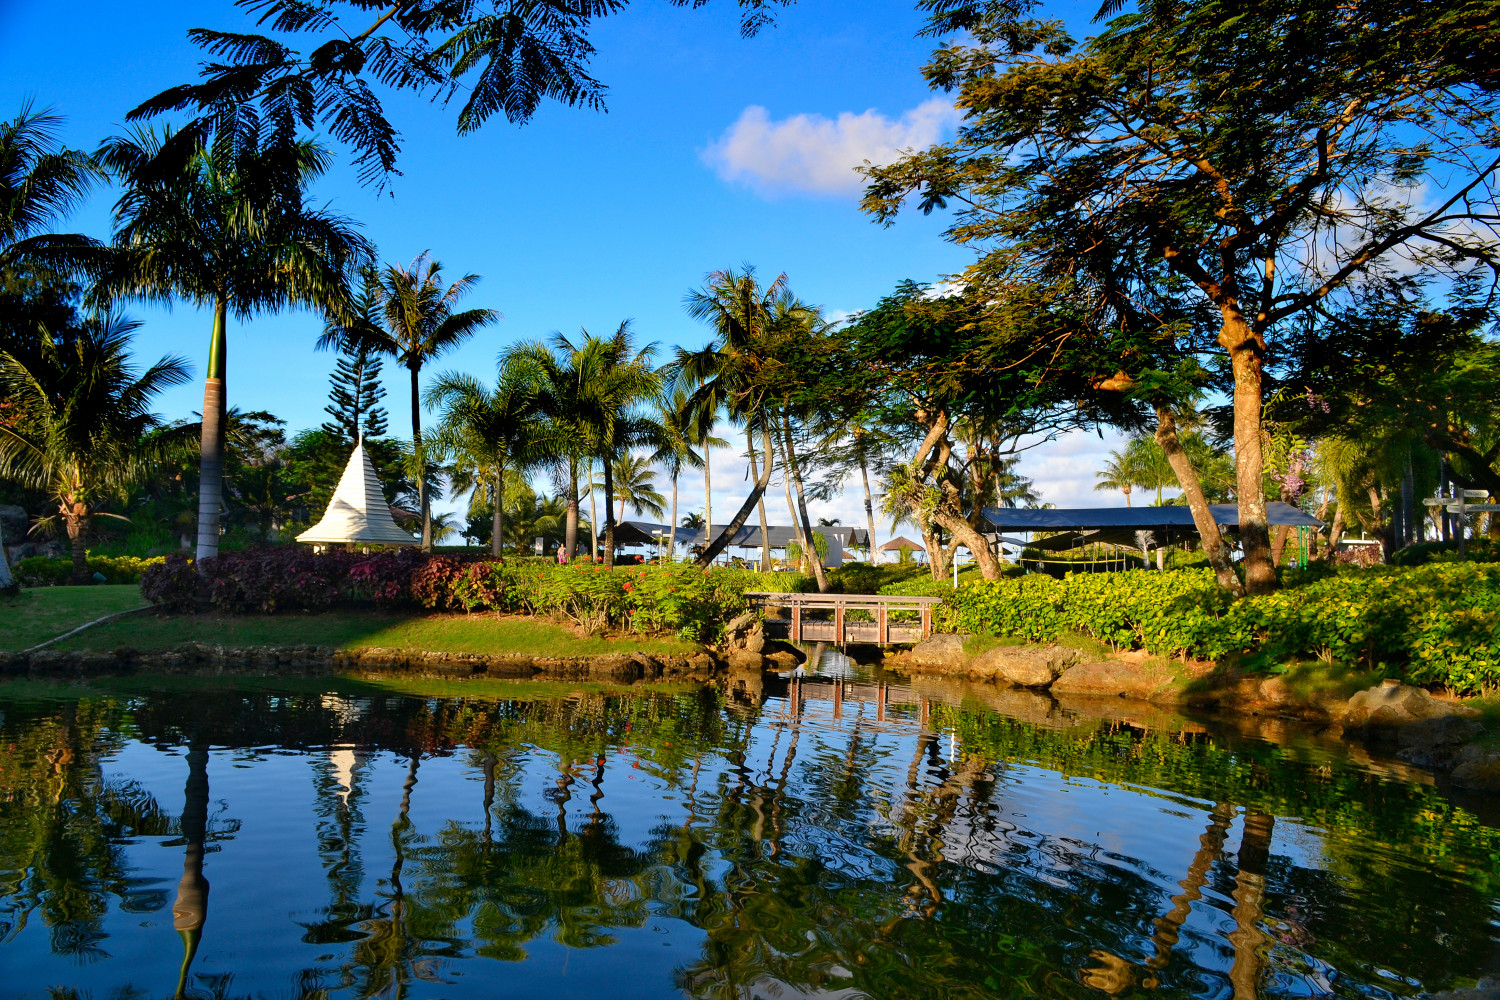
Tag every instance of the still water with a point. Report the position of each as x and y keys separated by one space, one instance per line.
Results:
x=828 y=837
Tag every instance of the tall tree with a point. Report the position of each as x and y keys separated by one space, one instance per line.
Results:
x=504 y=59
x=635 y=485
x=356 y=390
x=1270 y=160
x=90 y=434
x=41 y=182
x=491 y=431
x=675 y=453
x=418 y=324
x=233 y=233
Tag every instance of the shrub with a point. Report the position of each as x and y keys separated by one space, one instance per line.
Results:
x=385 y=577
x=57 y=571
x=171 y=584
x=278 y=579
x=1439 y=623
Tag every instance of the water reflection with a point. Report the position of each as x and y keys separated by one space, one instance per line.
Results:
x=836 y=836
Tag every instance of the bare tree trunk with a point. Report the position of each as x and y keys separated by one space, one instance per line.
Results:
x=570 y=528
x=609 y=513
x=760 y=506
x=672 y=528
x=708 y=491
x=1246 y=352
x=1278 y=542
x=795 y=471
x=420 y=454
x=593 y=515
x=1203 y=518
x=497 y=520
x=937 y=563
x=864 y=474
x=77 y=542
x=738 y=522
x=211 y=448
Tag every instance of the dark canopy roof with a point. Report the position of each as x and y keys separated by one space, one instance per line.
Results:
x=1134 y=518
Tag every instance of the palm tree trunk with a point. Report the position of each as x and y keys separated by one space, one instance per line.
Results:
x=421 y=457
x=1249 y=895
x=609 y=513
x=190 y=908
x=497 y=519
x=7 y=582
x=570 y=529
x=864 y=473
x=211 y=448
x=671 y=528
x=765 y=531
x=77 y=530
x=708 y=492
x=795 y=470
x=738 y=522
x=593 y=515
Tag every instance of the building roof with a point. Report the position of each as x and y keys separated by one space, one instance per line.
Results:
x=1164 y=518
x=748 y=537
x=358 y=512
x=902 y=542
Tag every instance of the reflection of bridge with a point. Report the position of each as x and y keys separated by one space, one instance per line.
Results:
x=879 y=619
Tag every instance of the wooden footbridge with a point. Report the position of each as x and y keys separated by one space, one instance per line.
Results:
x=842 y=619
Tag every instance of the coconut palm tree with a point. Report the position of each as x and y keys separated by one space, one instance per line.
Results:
x=1119 y=473
x=89 y=433
x=41 y=182
x=490 y=431
x=594 y=392
x=724 y=375
x=635 y=485
x=233 y=232
x=417 y=325
x=674 y=416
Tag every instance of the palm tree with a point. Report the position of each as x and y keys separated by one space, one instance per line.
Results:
x=40 y=182
x=89 y=434
x=674 y=416
x=417 y=325
x=635 y=485
x=594 y=391
x=231 y=231
x=1119 y=473
x=490 y=431
x=533 y=517
x=724 y=374
x=694 y=521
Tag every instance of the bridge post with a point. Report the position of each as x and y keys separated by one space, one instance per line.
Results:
x=927 y=621
x=838 y=624
x=882 y=628
x=796 y=621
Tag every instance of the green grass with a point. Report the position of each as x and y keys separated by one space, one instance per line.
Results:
x=352 y=629
x=29 y=689
x=36 y=615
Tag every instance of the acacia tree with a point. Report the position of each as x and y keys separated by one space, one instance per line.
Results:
x=1270 y=157
x=232 y=232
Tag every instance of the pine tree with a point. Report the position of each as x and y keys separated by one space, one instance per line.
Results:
x=354 y=395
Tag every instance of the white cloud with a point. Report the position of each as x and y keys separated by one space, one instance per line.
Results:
x=812 y=154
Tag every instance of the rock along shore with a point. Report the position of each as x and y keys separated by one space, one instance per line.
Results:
x=1438 y=734
x=203 y=658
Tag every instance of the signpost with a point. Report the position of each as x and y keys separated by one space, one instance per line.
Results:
x=1459 y=504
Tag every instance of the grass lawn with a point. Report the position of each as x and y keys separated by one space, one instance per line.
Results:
x=438 y=633
x=36 y=615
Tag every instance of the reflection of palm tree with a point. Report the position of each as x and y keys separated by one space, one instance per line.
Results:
x=1249 y=896
x=190 y=910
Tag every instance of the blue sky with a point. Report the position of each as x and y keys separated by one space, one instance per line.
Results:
x=716 y=151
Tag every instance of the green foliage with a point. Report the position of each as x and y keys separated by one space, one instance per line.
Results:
x=1479 y=550
x=53 y=571
x=1436 y=624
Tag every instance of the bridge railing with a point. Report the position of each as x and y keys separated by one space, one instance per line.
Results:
x=881 y=619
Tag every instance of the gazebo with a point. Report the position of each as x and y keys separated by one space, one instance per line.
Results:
x=903 y=544
x=358 y=513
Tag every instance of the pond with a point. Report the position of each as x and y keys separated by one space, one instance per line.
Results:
x=837 y=835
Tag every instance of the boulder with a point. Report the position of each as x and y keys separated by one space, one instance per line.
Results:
x=941 y=652
x=755 y=639
x=1478 y=769
x=783 y=659
x=1487 y=988
x=1024 y=666
x=1381 y=711
x=739 y=625
x=1109 y=677
x=1436 y=743
x=742 y=659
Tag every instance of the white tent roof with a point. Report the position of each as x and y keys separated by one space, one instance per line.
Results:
x=358 y=511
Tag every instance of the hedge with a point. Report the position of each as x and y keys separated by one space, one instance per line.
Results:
x=1437 y=624
x=684 y=599
x=57 y=571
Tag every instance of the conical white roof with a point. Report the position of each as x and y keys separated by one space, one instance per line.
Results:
x=358 y=511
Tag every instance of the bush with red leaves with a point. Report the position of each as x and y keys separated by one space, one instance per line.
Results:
x=172 y=585
x=277 y=579
x=386 y=577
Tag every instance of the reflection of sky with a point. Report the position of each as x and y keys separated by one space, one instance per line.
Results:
x=1027 y=825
